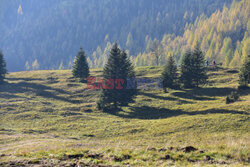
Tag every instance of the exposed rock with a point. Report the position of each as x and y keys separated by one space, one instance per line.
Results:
x=2 y=155
x=75 y=156
x=171 y=148
x=94 y=155
x=166 y=157
x=151 y=149
x=207 y=158
x=120 y=159
x=202 y=151
x=162 y=150
x=190 y=160
x=189 y=149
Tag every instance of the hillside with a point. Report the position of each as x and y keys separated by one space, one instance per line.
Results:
x=52 y=31
x=49 y=118
x=224 y=37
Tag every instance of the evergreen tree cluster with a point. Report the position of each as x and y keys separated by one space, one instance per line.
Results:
x=193 y=70
x=118 y=74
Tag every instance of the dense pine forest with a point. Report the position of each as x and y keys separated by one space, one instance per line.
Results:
x=47 y=34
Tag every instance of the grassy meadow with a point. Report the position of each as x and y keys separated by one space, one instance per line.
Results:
x=48 y=118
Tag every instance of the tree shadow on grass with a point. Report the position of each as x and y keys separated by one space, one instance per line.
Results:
x=38 y=89
x=203 y=93
x=151 y=95
x=154 y=96
x=148 y=113
x=245 y=91
x=24 y=79
x=8 y=96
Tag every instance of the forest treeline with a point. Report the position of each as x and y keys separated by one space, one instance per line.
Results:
x=47 y=34
x=224 y=38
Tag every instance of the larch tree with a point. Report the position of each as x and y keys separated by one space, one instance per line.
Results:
x=61 y=67
x=130 y=42
x=35 y=65
x=27 y=66
x=227 y=50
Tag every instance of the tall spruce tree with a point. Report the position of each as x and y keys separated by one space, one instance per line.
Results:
x=169 y=75
x=80 y=67
x=199 y=67
x=186 y=69
x=245 y=74
x=3 y=70
x=117 y=70
x=193 y=69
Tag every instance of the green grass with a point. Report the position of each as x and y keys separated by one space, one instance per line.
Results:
x=49 y=115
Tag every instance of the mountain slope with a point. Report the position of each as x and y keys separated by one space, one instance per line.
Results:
x=224 y=37
x=53 y=31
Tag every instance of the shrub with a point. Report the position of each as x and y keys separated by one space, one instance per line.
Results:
x=233 y=97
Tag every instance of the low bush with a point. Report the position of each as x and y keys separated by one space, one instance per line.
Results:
x=233 y=97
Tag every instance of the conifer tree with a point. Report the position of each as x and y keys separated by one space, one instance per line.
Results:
x=117 y=69
x=186 y=69
x=199 y=68
x=3 y=70
x=169 y=75
x=245 y=73
x=80 y=67
x=193 y=70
